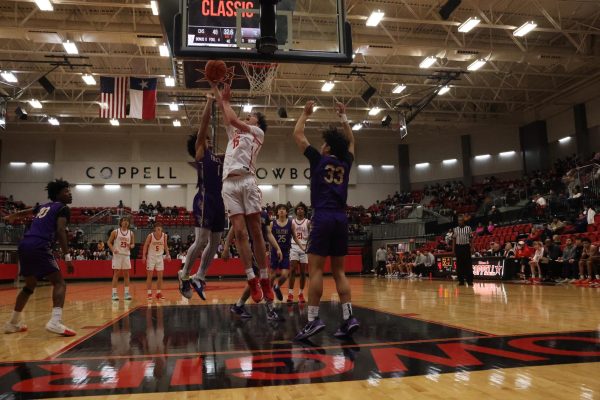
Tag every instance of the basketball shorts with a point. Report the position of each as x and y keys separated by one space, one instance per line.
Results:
x=121 y=261
x=329 y=233
x=283 y=264
x=36 y=261
x=241 y=195
x=209 y=212
x=296 y=254
x=155 y=263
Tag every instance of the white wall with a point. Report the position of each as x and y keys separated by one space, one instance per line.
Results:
x=434 y=152
x=366 y=186
x=561 y=125
x=592 y=110
x=494 y=142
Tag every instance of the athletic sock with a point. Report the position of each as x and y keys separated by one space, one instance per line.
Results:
x=149 y=291
x=240 y=303
x=313 y=313
x=250 y=273
x=114 y=290
x=57 y=314
x=264 y=274
x=300 y=292
x=126 y=289
x=16 y=317
x=291 y=291
x=276 y=286
x=346 y=310
x=157 y=291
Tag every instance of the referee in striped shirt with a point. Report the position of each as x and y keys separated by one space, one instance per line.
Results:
x=461 y=245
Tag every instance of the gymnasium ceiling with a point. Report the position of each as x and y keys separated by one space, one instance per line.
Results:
x=552 y=65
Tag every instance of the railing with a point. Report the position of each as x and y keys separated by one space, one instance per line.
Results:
x=589 y=181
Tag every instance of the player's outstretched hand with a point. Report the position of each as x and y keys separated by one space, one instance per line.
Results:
x=308 y=108
x=340 y=108
x=226 y=92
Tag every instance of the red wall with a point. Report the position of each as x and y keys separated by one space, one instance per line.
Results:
x=102 y=269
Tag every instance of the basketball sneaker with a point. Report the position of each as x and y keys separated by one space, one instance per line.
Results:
x=267 y=290
x=127 y=296
x=149 y=297
x=115 y=297
x=290 y=298
x=14 y=328
x=58 y=328
x=198 y=285
x=159 y=296
x=347 y=328
x=278 y=293
x=310 y=329
x=301 y=298
x=240 y=311
x=256 y=291
x=185 y=287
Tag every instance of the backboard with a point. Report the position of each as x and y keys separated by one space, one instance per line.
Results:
x=305 y=30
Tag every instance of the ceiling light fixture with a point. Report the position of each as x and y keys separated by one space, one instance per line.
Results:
x=428 y=62
x=88 y=79
x=375 y=18
x=70 y=47
x=475 y=65
x=53 y=121
x=398 y=89
x=154 y=6
x=469 y=24
x=169 y=81
x=35 y=103
x=374 y=111
x=8 y=77
x=163 y=50
x=327 y=86
x=177 y=123
x=174 y=107
x=444 y=90
x=44 y=5
x=524 y=29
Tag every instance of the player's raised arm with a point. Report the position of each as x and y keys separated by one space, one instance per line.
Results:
x=299 y=136
x=203 y=129
x=340 y=108
x=10 y=218
x=224 y=102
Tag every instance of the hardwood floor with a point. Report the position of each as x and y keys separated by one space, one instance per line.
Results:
x=421 y=339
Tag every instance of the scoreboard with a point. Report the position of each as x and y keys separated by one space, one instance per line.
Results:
x=214 y=23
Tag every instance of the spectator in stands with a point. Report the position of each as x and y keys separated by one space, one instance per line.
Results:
x=557 y=226
x=381 y=258
x=523 y=254
x=590 y=213
x=159 y=207
x=569 y=261
x=581 y=223
x=480 y=230
x=448 y=237
x=495 y=250
x=534 y=236
x=586 y=266
x=143 y=208
x=550 y=266
x=534 y=263
x=490 y=228
x=575 y=198
x=181 y=256
x=540 y=201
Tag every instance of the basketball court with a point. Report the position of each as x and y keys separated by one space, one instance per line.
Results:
x=435 y=91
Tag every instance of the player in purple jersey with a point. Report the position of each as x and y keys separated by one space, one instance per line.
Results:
x=209 y=211
x=238 y=308
x=35 y=256
x=329 y=173
x=284 y=232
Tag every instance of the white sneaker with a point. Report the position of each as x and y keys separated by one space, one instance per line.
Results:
x=59 y=329
x=14 y=328
x=115 y=297
x=127 y=296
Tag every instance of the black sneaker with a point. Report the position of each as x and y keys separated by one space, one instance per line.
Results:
x=312 y=328
x=347 y=328
x=278 y=293
x=240 y=311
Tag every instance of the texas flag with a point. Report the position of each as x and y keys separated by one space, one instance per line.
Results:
x=142 y=98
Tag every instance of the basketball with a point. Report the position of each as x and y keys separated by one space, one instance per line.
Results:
x=215 y=70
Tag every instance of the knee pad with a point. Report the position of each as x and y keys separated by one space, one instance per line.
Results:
x=27 y=291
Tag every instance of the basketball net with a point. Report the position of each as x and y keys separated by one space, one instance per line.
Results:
x=260 y=76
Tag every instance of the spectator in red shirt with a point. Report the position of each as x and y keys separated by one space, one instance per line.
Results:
x=523 y=254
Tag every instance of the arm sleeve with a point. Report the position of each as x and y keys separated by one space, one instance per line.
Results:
x=313 y=156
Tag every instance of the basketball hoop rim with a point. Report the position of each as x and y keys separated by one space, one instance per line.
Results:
x=259 y=65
